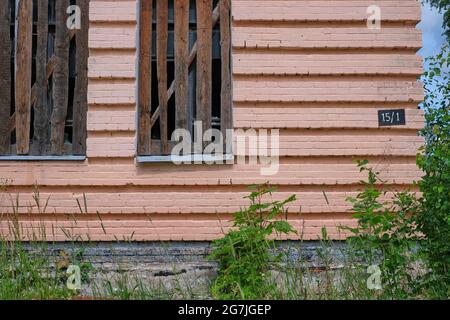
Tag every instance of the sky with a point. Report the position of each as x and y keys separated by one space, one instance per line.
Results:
x=431 y=27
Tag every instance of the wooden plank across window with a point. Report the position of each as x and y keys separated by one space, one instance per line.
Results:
x=23 y=64
x=190 y=62
x=60 y=78
x=81 y=83
x=5 y=77
x=40 y=105
x=42 y=118
x=181 y=63
x=161 y=63
x=145 y=76
x=225 y=45
x=204 y=62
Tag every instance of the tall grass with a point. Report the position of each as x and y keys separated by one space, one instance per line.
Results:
x=26 y=269
x=30 y=268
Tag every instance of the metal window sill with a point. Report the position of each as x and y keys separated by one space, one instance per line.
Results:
x=193 y=159
x=42 y=158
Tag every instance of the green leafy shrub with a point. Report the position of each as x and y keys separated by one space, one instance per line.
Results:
x=434 y=221
x=386 y=233
x=244 y=254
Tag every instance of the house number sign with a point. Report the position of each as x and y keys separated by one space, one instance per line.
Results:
x=391 y=117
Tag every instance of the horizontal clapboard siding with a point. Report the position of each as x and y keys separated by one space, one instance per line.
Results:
x=303 y=36
x=167 y=227
x=293 y=171
x=318 y=116
x=260 y=62
x=311 y=69
x=317 y=10
x=188 y=202
x=287 y=89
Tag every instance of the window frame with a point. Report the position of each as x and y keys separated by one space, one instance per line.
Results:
x=145 y=113
x=50 y=143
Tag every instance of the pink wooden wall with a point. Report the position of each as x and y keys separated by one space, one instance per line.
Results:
x=309 y=68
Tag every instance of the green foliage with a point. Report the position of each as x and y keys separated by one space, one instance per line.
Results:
x=244 y=253
x=434 y=221
x=444 y=7
x=385 y=234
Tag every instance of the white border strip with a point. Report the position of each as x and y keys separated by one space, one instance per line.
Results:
x=195 y=158
x=43 y=158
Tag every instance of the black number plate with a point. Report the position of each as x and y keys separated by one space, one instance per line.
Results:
x=391 y=117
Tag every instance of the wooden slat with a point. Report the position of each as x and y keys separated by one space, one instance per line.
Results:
x=40 y=106
x=204 y=62
x=34 y=91
x=145 y=76
x=60 y=79
x=162 y=9
x=181 y=63
x=225 y=44
x=49 y=71
x=5 y=77
x=23 y=65
x=81 y=82
x=192 y=56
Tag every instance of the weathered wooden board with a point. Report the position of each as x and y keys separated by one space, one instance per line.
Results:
x=60 y=79
x=23 y=64
x=81 y=82
x=5 y=77
x=145 y=76
x=225 y=44
x=41 y=121
x=161 y=64
x=204 y=62
x=181 y=63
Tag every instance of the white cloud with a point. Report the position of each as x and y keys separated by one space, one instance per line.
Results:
x=431 y=27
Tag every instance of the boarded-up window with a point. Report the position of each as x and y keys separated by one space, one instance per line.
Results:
x=43 y=77
x=184 y=70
